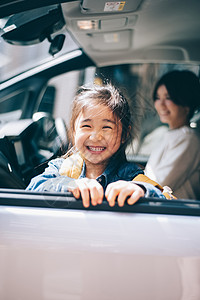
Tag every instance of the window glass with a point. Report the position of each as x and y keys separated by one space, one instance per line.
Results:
x=15 y=59
x=11 y=106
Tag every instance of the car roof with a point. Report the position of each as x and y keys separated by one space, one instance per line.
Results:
x=129 y=31
x=154 y=31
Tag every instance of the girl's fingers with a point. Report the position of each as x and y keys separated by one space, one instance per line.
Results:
x=73 y=188
x=136 y=195
x=134 y=198
x=89 y=190
x=123 y=194
x=96 y=191
x=121 y=190
x=132 y=193
x=85 y=195
x=76 y=193
x=112 y=192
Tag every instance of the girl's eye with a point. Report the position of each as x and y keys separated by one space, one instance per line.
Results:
x=107 y=127
x=85 y=126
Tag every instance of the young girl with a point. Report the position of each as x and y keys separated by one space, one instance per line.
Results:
x=96 y=165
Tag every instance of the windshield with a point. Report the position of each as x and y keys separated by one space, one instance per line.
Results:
x=15 y=59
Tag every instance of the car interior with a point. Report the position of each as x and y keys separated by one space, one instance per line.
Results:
x=128 y=43
x=51 y=246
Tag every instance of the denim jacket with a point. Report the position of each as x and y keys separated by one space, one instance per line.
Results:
x=117 y=169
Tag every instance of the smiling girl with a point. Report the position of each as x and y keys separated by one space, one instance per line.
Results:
x=96 y=165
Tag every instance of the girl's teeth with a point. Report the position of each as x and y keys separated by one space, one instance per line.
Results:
x=96 y=148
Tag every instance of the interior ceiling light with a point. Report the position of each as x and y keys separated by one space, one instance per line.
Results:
x=87 y=24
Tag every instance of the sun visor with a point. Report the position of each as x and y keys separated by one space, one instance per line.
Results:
x=102 y=6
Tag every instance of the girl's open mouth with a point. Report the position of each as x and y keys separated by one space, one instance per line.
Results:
x=96 y=149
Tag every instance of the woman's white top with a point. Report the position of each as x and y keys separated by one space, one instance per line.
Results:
x=176 y=162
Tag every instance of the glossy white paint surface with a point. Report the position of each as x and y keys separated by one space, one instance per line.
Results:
x=59 y=254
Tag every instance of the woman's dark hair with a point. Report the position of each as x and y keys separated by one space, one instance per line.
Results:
x=183 y=88
x=108 y=95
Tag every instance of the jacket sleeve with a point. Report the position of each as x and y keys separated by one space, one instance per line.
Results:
x=50 y=180
x=150 y=190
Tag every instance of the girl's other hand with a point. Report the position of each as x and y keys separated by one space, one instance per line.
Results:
x=120 y=190
x=88 y=190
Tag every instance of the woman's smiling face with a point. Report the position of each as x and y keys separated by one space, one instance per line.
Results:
x=169 y=112
x=97 y=134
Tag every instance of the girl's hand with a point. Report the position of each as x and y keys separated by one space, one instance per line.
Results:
x=88 y=189
x=123 y=189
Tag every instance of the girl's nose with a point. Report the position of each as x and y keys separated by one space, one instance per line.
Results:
x=96 y=135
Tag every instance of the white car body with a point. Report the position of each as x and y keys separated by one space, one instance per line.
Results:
x=69 y=253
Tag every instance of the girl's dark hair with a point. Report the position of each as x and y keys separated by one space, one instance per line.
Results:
x=183 y=88
x=108 y=95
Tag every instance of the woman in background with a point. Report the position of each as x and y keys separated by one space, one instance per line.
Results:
x=176 y=162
